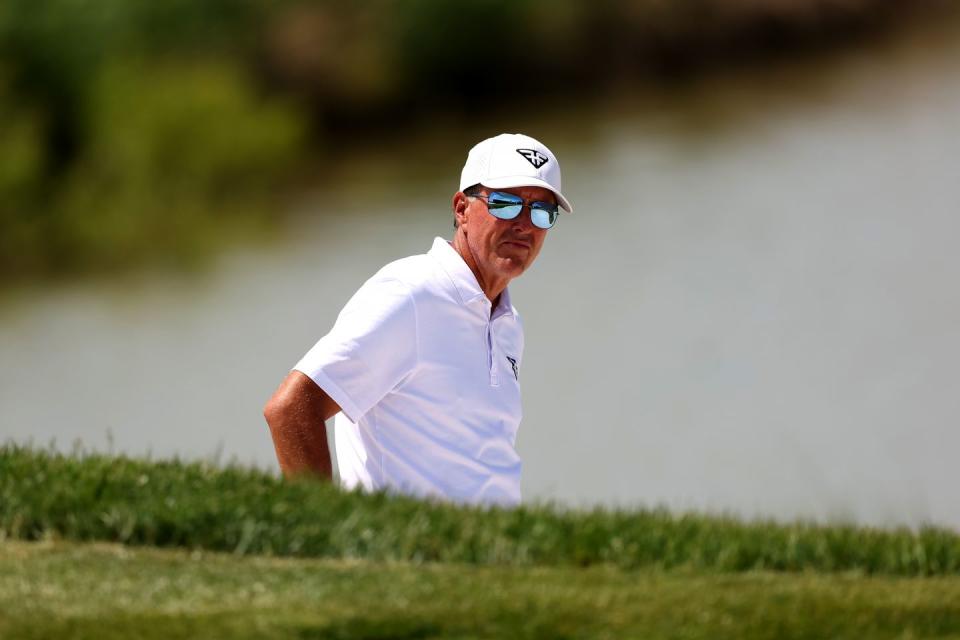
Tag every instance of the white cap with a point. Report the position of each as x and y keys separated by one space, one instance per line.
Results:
x=513 y=160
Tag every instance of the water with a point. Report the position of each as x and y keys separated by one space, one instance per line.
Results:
x=755 y=308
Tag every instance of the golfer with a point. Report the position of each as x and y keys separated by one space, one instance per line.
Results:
x=422 y=367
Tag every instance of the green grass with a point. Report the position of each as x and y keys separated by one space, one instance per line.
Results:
x=68 y=590
x=392 y=567
x=44 y=495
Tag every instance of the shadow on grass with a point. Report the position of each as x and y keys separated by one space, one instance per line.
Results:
x=515 y=625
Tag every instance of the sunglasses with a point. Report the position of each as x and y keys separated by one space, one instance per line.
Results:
x=507 y=206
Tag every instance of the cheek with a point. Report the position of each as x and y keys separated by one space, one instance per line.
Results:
x=483 y=235
x=539 y=239
x=489 y=230
x=538 y=244
x=474 y=224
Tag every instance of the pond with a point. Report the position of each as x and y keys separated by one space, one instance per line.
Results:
x=755 y=308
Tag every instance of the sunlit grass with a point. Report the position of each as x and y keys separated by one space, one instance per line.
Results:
x=69 y=590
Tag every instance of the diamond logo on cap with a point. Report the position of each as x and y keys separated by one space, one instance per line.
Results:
x=534 y=157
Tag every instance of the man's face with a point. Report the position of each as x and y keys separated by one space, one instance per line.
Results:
x=502 y=248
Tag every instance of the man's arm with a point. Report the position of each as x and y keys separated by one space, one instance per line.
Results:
x=296 y=414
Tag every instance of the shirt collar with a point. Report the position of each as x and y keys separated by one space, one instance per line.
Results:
x=463 y=279
x=504 y=307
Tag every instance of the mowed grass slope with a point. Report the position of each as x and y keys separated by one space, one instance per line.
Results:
x=45 y=495
x=376 y=566
x=94 y=590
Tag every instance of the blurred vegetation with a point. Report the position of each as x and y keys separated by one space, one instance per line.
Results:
x=134 y=131
x=45 y=495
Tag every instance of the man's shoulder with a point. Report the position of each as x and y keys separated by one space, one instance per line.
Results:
x=418 y=273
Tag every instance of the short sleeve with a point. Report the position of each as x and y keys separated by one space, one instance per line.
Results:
x=370 y=350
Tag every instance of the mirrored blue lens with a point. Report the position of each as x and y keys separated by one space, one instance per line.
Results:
x=505 y=206
x=543 y=214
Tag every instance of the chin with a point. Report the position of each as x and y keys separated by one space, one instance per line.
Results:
x=512 y=261
x=512 y=266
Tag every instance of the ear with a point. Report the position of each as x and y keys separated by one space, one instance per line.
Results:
x=460 y=204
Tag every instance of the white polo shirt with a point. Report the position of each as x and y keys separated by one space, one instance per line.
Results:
x=427 y=380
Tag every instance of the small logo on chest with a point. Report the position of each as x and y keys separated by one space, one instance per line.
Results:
x=516 y=371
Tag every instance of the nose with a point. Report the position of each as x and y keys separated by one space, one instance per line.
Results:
x=524 y=220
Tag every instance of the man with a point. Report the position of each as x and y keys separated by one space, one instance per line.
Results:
x=422 y=365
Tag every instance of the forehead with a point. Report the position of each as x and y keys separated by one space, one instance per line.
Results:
x=529 y=193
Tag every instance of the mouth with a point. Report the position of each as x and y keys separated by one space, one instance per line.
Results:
x=517 y=243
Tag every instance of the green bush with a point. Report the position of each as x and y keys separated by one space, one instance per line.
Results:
x=138 y=130
x=21 y=174
x=175 y=154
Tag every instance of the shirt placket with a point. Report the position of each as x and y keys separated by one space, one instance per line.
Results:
x=491 y=353
x=491 y=349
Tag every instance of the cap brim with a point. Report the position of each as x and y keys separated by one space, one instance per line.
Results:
x=509 y=182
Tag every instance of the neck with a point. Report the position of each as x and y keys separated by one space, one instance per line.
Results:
x=491 y=284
